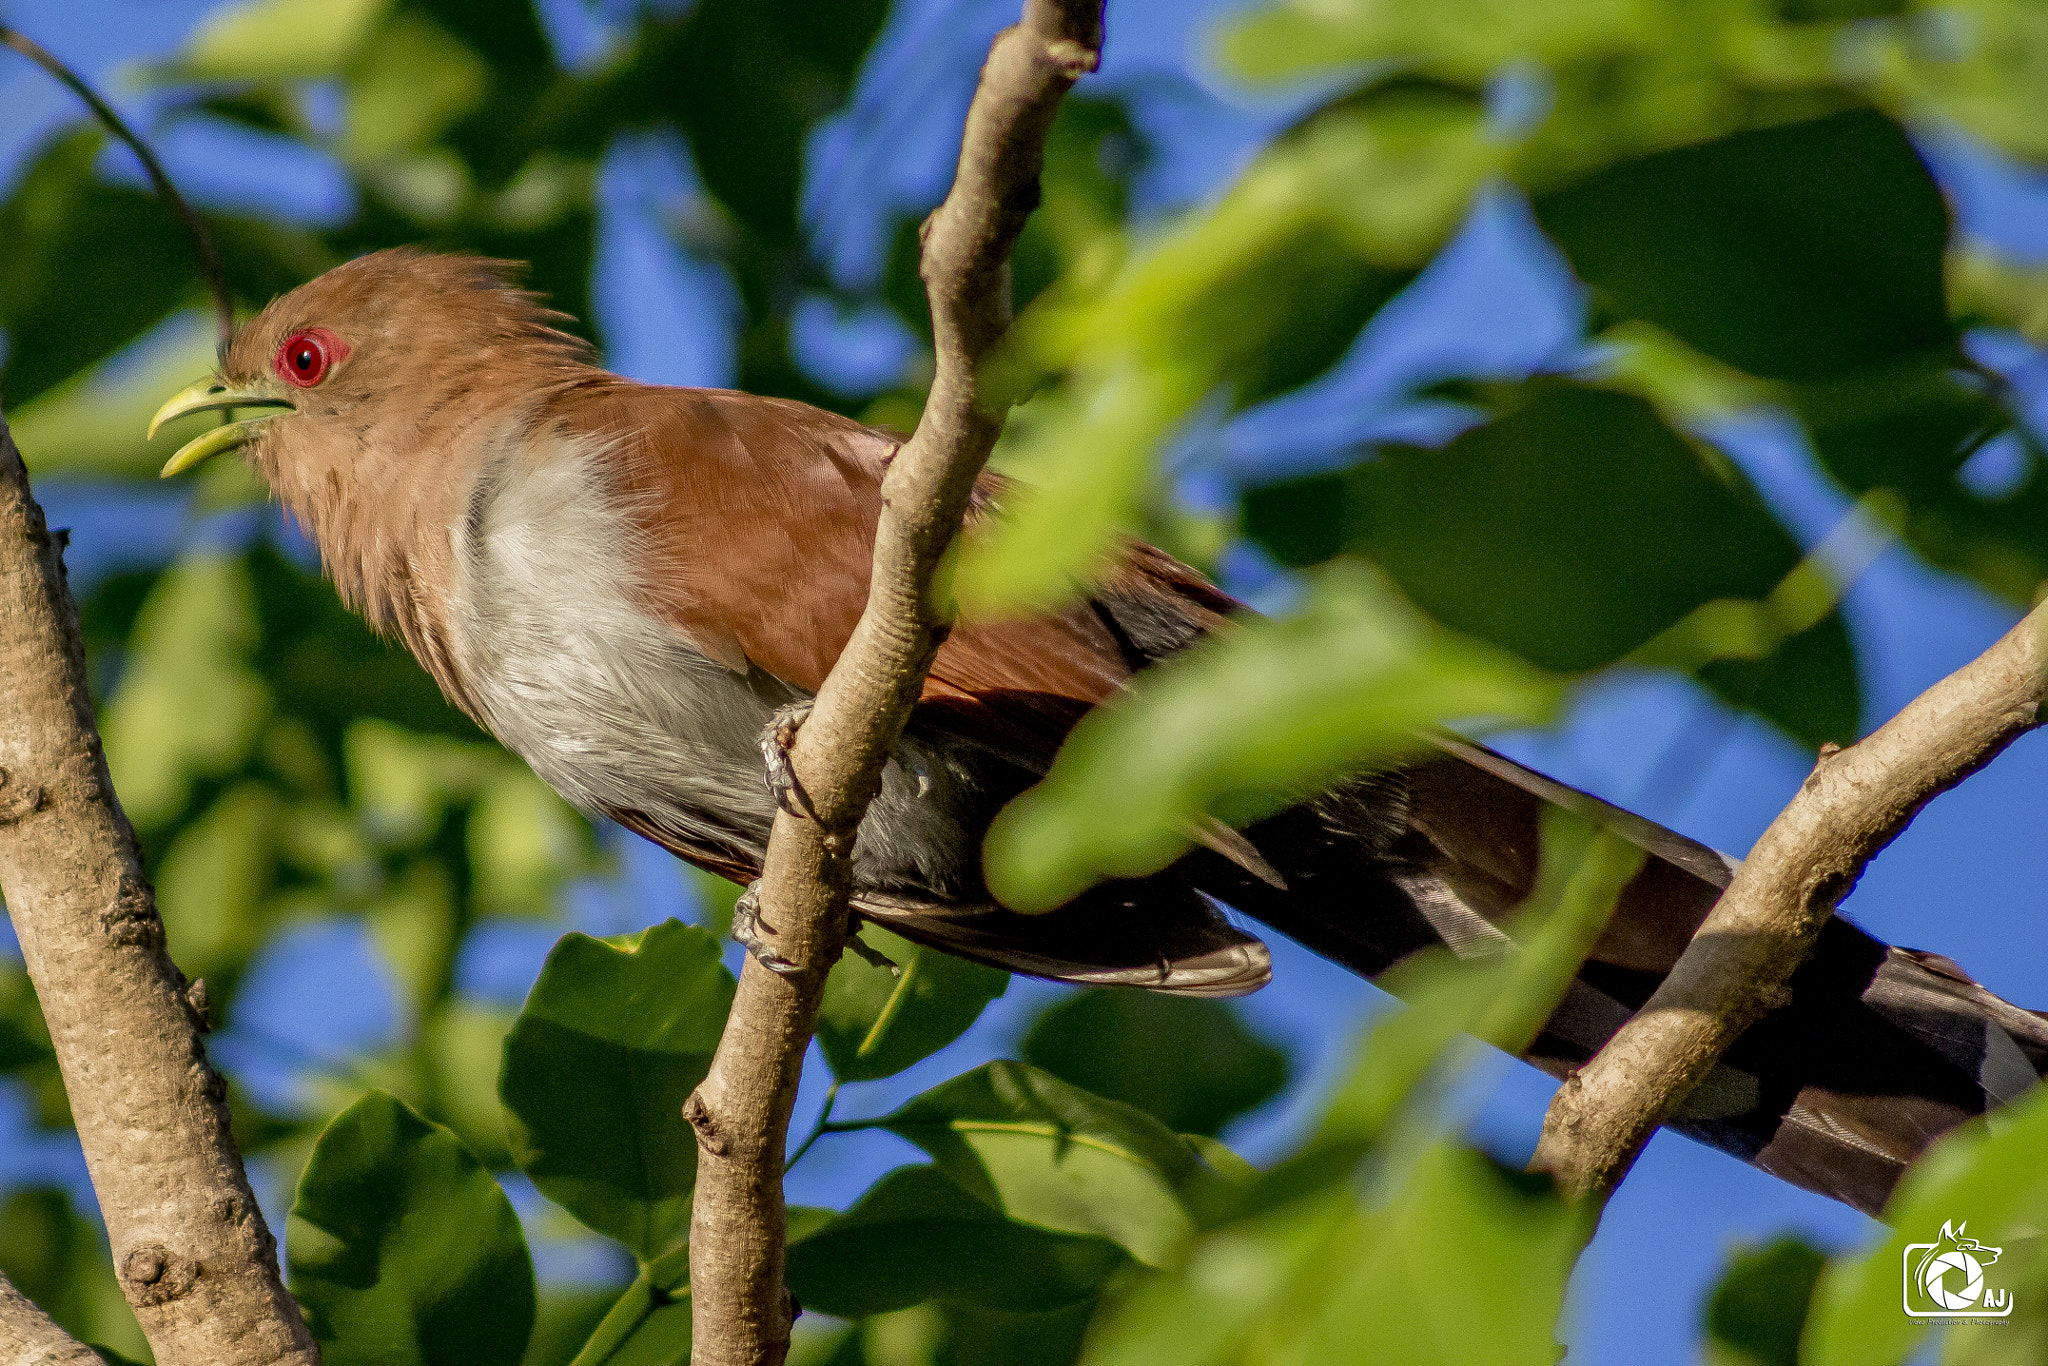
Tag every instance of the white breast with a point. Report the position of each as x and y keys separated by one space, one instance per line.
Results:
x=610 y=706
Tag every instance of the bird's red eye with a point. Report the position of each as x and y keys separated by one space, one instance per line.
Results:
x=305 y=357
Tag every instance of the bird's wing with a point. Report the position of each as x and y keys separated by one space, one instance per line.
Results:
x=758 y=517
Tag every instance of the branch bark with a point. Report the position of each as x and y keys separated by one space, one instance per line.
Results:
x=1738 y=965
x=190 y=1246
x=740 y=1310
x=29 y=1337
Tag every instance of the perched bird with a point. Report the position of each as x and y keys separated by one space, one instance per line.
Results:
x=627 y=583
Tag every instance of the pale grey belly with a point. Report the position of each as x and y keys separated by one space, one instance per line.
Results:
x=618 y=711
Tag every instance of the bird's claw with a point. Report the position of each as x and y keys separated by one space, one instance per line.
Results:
x=776 y=738
x=747 y=929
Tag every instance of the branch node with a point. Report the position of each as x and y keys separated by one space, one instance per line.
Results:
x=153 y=1274
x=700 y=1118
x=132 y=918
x=200 y=1008
x=18 y=802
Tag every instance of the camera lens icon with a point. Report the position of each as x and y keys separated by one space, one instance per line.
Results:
x=1964 y=1290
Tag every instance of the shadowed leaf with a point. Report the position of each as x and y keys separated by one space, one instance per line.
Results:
x=614 y=1037
x=403 y=1250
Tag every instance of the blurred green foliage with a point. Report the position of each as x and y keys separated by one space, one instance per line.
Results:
x=1735 y=184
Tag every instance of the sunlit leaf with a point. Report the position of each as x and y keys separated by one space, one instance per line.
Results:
x=614 y=1037
x=1466 y=38
x=1047 y=1153
x=403 y=1250
x=1271 y=709
x=1254 y=296
x=1465 y=1267
x=189 y=704
x=874 y=1023
x=467 y=1045
x=215 y=879
x=271 y=40
x=1988 y=1177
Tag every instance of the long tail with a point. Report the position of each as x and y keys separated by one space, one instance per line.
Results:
x=1879 y=1051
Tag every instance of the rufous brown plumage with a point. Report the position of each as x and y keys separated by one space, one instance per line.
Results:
x=626 y=583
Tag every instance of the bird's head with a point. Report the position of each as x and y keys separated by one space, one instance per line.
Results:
x=393 y=333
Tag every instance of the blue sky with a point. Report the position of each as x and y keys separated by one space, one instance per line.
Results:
x=1965 y=880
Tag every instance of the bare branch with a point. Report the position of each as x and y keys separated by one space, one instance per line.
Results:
x=202 y=240
x=190 y=1246
x=741 y=1112
x=1736 y=969
x=28 y=1336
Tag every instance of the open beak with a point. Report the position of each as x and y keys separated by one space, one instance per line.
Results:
x=202 y=397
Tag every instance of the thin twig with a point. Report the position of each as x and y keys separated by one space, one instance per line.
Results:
x=202 y=240
x=1738 y=965
x=740 y=1310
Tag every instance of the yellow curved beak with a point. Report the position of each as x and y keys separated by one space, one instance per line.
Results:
x=202 y=397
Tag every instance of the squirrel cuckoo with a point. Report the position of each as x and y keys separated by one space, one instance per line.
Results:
x=626 y=584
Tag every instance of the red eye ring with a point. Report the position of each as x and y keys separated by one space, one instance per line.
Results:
x=306 y=356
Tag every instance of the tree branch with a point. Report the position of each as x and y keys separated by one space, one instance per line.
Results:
x=741 y=1111
x=1736 y=969
x=29 y=1337
x=190 y=1247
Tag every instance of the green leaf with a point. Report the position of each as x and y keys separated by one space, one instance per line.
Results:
x=1585 y=526
x=464 y=1044
x=1212 y=1309
x=93 y=424
x=1275 y=708
x=59 y=1260
x=917 y=1235
x=1784 y=277
x=189 y=705
x=275 y=40
x=403 y=1250
x=214 y=885
x=614 y=1037
x=649 y=1324
x=1260 y=293
x=1755 y=1314
x=1907 y=431
x=1986 y=1175
x=1044 y=1152
x=874 y=1023
x=1466 y=1267
x=1466 y=38
x=1189 y=1063
x=90 y=267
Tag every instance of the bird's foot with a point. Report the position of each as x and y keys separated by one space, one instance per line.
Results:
x=866 y=952
x=776 y=738
x=748 y=929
